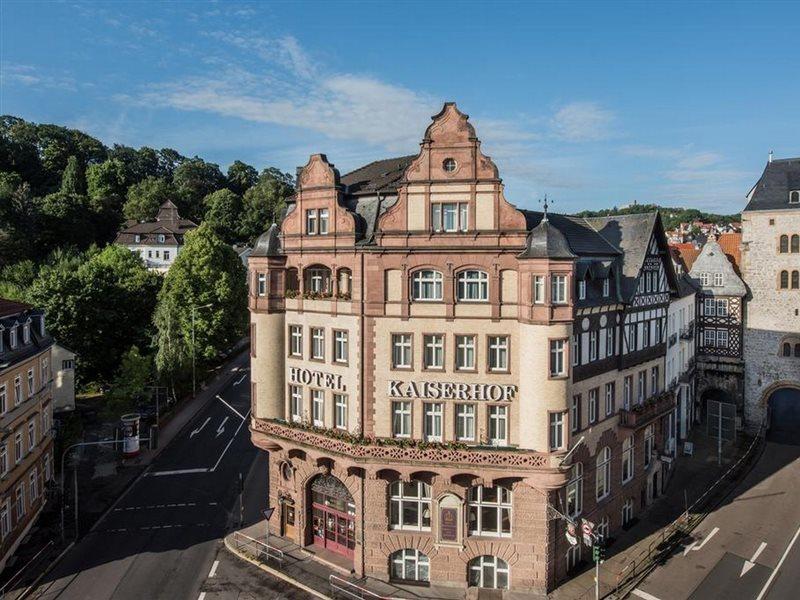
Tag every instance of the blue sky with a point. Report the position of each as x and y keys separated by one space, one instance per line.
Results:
x=594 y=104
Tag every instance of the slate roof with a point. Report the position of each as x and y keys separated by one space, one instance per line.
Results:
x=378 y=176
x=14 y=314
x=686 y=287
x=771 y=191
x=168 y=222
x=268 y=243
x=712 y=259
x=547 y=241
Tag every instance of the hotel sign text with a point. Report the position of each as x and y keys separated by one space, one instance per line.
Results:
x=442 y=390
x=317 y=378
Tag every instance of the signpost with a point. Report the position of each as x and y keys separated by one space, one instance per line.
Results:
x=267 y=512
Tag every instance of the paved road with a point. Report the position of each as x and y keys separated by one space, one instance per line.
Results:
x=749 y=548
x=163 y=537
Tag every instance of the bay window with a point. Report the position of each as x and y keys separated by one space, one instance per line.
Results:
x=558 y=289
x=557 y=362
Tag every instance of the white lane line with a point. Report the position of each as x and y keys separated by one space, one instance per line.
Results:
x=229 y=406
x=221 y=428
x=177 y=472
x=695 y=546
x=213 y=570
x=201 y=596
x=199 y=429
x=233 y=437
x=749 y=564
x=241 y=379
x=645 y=595
x=778 y=567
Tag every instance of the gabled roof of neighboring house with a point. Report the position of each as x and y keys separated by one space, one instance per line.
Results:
x=12 y=307
x=731 y=244
x=771 y=191
x=685 y=253
x=378 y=176
x=712 y=259
x=167 y=223
x=686 y=287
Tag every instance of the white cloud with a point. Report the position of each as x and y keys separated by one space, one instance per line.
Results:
x=30 y=76
x=583 y=122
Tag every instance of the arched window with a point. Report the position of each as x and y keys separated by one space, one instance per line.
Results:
x=409 y=564
x=488 y=572
x=797 y=350
x=796 y=243
x=575 y=490
x=784 y=280
x=473 y=286
x=344 y=283
x=627 y=459
x=783 y=246
x=794 y=196
x=489 y=511
x=603 y=475
x=317 y=280
x=427 y=285
x=795 y=280
x=410 y=505
x=787 y=349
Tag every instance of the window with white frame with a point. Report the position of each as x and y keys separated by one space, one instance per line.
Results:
x=718 y=279
x=465 y=422
x=318 y=408
x=498 y=425
x=311 y=221
x=575 y=490
x=5 y=520
x=655 y=380
x=296 y=340
x=489 y=572
x=627 y=392
x=433 y=354
x=465 y=352
x=593 y=345
x=401 y=419
x=3 y=399
x=409 y=564
x=340 y=346
x=575 y=413
x=410 y=505
x=3 y=458
x=593 y=405
x=722 y=338
x=48 y=472
x=558 y=366
x=498 y=353
x=610 y=397
x=558 y=289
x=45 y=371
x=12 y=337
x=649 y=442
x=262 y=284
x=582 y=289
x=642 y=392
x=31 y=383
x=705 y=279
x=296 y=403
x=538 y=289
x=627 y=512
x=449 y=216
x=432 y=424
x=606 y=287
x=489 y=511
x=722 y=307
x=556 y=431
x=573 y=557
x=709 y=337
x=318 y=280
x=610 y=346
x=603 y=527
x=20 y=502
x=323 y=221
x=26 y=332
x=709 y=307
x=473 y=286
x=401 y=350
x=31 y=435
x=603 y=473
x=576 y=352
x=17 y=447
x=340 y=411
x=627 y=459
x=317 y=343
x=426 y=285
x=33 y=484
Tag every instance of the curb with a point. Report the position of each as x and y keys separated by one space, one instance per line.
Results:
x=274 y=572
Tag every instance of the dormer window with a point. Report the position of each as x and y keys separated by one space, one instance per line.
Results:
x=41 y=325
x=582 y=290
x=161 y=238
x=449 y=216
x=137 y=238
x=26 y=332
x=12 y=337
x=794 y=197
x=606 y=287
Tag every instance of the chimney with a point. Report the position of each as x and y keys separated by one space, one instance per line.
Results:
x=770 y=156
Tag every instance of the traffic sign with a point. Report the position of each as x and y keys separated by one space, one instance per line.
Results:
x=268 y=513
x=572 y=538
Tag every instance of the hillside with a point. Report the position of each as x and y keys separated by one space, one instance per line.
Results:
x=671 y=215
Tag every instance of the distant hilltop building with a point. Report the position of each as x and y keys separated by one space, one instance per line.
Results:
x=157 y=242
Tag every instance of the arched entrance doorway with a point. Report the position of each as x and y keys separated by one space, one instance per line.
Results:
x=784 y=416
x=333 y=516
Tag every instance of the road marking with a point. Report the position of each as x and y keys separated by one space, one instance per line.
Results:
x=199 y=429
x=233 y=437
x=229 y=406
x=221 y=428
x=695 y=546
x=645 y=595
x=201 y=596
x=780 y=564
x=213 y=570
x=749 y=564
x=177 y=472
x=241 y=379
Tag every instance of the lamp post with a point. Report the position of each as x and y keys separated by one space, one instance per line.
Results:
x=194 y=371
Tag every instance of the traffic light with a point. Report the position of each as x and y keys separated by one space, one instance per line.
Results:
x=598 y=553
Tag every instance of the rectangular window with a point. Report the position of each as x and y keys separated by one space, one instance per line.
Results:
x=709 y=337
x=705 y=279
x=340 y=411
x=17 y=390
x=556 y=431
x=317 y=343
x=318 y=408
x=262 y=284
x=449 y=216
x=401 y=419
x=31 y=435
x=645 y=334
x=323 y=221
x=434 y=415
x=47 y=468
x=296 y=402
x=627 y=392
x=17 y=448
x=654 y=380
x=722 y=307
x=576 y=349
x=465 y=422
x=401 y=350
x=45 y=371
x=582 y=290
x=498 y=353
x=166 y=254
x=558 y=289
x=593 y=405
x=5 y=521
x=3 y=399
x=557 y=363
x=20 y=503
x=642 y=386
x=465 y=352
x=3 y=459
x=722 y=338
x=649 y=440
x=34 y=484
x=709 y=307
x=296 y=340
x=575 y=413
x=434 y=351
x=340 y=347
x=610 y=398
x=593 y=346
x=606 y=287
x=718 y=279
x=610 y=346
x=498 y=425
x=311 y=221
x=538 y=289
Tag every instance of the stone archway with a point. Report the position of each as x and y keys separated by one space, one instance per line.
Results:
x=330 y=522
x=782 y=402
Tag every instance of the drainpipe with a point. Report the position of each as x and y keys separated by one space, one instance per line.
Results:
x=362 y=411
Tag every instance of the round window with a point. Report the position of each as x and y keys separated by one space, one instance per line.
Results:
x=449 y=165
x=286 y=471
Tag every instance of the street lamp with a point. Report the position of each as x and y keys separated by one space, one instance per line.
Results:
x=194 y=376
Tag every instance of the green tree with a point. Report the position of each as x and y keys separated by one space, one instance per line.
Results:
x=15 y=280
x=73 y=180
x=64 y=219
x=145 y=197
x=263 y=202
x=194 y=179
x=241 y=177
x=105 y=183
x=223 y=211
x=18 y=220
x=130 y=383
x=206 y=272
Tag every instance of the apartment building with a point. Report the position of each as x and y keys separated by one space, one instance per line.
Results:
x=425 y=355
x=26 y=442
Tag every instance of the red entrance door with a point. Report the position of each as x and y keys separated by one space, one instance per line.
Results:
x=334 y=530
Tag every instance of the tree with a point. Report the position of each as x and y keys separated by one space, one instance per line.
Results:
x=16 y=278
x=207 y=271
x=223 y=211
x=145 y=197
x=18 y=220
x=65 y=219
x=194 y=179
x=263 y=202
x=130 y=382
x=73 y=180
x=241 y=177
x=105 y=183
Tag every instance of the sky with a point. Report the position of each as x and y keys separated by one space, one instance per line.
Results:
x=594 y=104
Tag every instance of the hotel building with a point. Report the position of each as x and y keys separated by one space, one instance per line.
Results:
x=425 y=354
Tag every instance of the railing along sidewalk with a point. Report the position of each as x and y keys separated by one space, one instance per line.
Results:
x=18 y=575
x=262 y=551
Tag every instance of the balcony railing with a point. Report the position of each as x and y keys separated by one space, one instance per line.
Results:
x=687 y=332
x=640 y=415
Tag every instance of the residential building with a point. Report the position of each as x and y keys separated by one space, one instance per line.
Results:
x=26 y=441
x=771 y=269
x=680 y=358
x=157 y=242
x=63 y=363
x=424 y=355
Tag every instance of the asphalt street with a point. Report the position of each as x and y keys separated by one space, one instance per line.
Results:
x=747 y=549
x=162 y=539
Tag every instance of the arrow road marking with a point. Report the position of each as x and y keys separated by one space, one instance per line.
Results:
x=221 y=428
x=749 y=564
x=778 y=566
x=241 y=416
x=241 y=379
x=199 y=429
x=695 y=546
